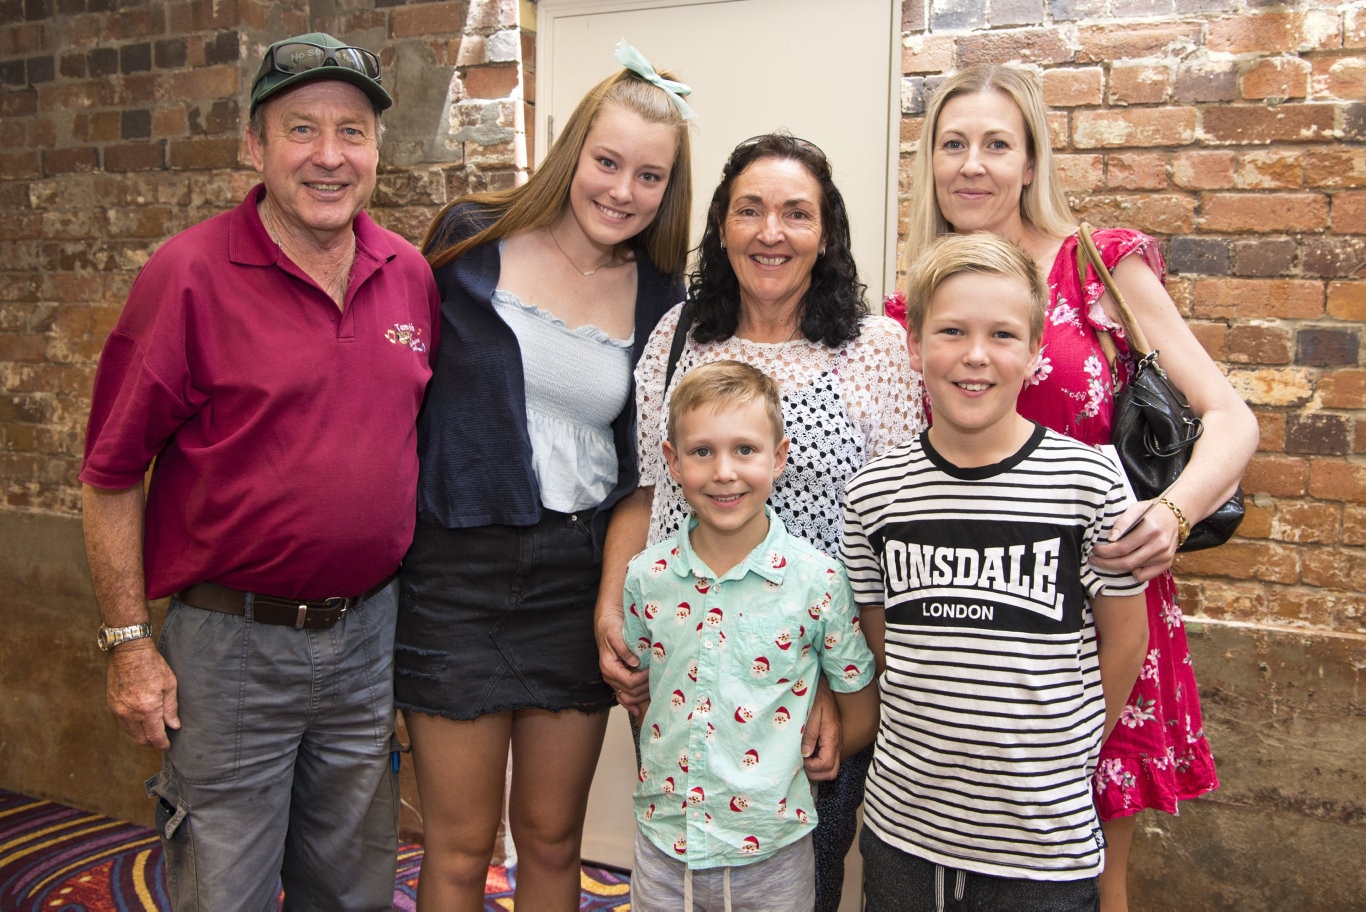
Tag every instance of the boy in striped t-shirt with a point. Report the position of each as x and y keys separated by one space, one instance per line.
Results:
x=1005 y=654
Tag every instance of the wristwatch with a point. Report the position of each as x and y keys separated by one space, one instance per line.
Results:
x=110 y=637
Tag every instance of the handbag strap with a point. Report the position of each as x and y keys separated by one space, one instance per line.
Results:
x=680 y=338
x=1087 y=252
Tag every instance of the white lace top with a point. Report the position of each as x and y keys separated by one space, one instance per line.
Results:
x=577 y=381
x=842 y=407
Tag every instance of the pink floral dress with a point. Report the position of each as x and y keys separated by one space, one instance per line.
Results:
x=1157 y=754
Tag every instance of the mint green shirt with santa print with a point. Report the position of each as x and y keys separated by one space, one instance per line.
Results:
x=733 y=670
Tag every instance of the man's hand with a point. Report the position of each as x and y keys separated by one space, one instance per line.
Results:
x=822 y=736
x=141 y=691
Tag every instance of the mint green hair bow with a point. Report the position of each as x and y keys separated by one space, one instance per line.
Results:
x=634 y=61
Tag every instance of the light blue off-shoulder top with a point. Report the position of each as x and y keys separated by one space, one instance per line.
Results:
x=577 y=381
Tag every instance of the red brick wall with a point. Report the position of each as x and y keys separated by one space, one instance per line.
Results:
x=123 y=125
x=1236 y=133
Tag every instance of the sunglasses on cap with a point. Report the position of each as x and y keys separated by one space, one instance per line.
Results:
x=296 y=57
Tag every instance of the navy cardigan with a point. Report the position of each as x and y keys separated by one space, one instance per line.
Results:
x=473 y=448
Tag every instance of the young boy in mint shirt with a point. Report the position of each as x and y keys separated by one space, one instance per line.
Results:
x=735 y=620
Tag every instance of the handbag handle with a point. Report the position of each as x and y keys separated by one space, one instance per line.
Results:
x=1087 y=252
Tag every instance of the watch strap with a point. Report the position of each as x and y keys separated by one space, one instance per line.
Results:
x=109 y=637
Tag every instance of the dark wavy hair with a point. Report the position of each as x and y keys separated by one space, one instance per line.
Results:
x=833 y=305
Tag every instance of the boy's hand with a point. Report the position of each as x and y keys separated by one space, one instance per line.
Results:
x=821 y=738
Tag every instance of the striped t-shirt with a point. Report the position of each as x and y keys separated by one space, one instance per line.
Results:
x=992 y=709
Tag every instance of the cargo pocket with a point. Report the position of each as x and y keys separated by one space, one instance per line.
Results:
x=170 y=810
x=170 y=814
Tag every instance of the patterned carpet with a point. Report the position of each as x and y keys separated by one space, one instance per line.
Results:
x=54 y=857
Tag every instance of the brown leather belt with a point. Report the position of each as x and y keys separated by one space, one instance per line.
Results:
x=268 y=609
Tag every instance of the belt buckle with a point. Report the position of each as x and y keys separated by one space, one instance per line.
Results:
x=338 y=602
x=341 y=603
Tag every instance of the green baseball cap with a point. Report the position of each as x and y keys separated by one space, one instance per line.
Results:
x=317 y=56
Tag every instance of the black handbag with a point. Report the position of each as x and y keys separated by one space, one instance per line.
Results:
x=1154 y=428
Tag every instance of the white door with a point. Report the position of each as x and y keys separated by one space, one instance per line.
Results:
x=827 y=72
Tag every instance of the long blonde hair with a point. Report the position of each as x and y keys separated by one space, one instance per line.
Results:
x=1042 y=203
x=540 y=201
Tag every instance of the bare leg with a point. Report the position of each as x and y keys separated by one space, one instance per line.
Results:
x=1119 y=838
x=553 y=759
x=461 y=768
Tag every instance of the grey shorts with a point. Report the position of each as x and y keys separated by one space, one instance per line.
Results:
x=281 y=771
x=783 y=882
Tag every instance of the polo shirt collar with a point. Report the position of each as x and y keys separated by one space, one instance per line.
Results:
x=768 y=560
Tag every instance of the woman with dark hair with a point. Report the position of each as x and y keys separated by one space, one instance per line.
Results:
x=549 y=290
x=775 y=287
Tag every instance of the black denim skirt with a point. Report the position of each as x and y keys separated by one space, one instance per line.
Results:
x=499 y=618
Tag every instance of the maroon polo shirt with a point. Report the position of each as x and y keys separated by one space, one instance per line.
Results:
x=283 y=429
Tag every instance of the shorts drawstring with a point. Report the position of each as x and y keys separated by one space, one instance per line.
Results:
x=687 y=888
x=960 y=886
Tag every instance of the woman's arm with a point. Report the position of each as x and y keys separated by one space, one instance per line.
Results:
x=629 y=528
x=1219 y=457
x=889 y=395
x=626 y=535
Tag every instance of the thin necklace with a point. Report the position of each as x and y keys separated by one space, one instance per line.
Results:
x=270 y=226
x=343 y=270
x=585 y=273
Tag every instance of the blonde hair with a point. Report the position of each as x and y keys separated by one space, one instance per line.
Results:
x=980 y=253
x=540 y=201
x=1042 y=203
x=725 y=383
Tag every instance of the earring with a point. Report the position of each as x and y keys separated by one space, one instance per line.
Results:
x=821 y=253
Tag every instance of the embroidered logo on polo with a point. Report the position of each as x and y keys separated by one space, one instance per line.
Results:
x=406 y=334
